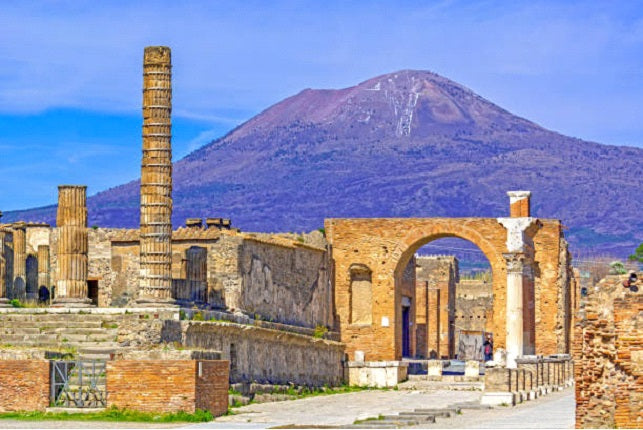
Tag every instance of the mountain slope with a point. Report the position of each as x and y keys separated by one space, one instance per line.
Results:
x=410 y=143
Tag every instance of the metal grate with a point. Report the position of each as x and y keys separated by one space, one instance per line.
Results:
x=78 y=384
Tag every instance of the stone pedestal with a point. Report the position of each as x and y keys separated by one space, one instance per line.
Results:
x=434 y=370
x=155 y=286
x=375 y=373
x=73 y=243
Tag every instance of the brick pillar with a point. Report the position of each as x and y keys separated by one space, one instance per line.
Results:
x=43 y=268
x=19 y=284
x=73 y=243
x=4 y=301
x=155 y=287
x=519 y=203
x=433 y=323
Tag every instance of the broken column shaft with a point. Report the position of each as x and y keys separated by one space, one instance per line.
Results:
x=19 y=286
x=73 y=243
x=155 y=288
x=3 y=268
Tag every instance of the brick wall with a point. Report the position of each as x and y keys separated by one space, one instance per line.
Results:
x=212 y=386
x=167 y=385
x=24 y=385
x=608 y=359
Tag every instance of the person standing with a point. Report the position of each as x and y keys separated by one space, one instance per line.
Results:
x=487 y=348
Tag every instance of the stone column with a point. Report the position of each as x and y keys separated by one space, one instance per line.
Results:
x=19 y=262
x=519 y=259
x=73 y=243
x=155 y=287
x=514 y=346
x=31 y=287
x=4 y=301
x=43 y=268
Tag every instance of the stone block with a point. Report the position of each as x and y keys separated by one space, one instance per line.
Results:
x=376 y=373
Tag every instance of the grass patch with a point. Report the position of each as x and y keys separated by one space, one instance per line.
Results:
x=380 y=417
x=113 y=414
x=105 y=324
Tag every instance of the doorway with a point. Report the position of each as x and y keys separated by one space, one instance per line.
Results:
x=406 y=332
x=92 y=291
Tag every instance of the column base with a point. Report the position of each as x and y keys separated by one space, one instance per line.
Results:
x=4 y=303
x=72 y=302
x=152 y=302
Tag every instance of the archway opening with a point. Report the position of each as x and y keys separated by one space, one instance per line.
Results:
x=451 y=303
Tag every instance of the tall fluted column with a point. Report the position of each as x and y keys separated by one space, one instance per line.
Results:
x=73 y=242
x=43 y=268
x=19 y=286
x=155 y=288
x=3 y=268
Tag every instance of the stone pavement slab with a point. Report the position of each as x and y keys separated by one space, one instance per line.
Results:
x=337 y=409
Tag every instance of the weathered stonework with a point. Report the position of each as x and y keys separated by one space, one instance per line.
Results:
x=168 y=385
x=73 y=246
x=24 y=385
x=156 y=179
x=385 y=246
x=439 y=275
x=608 y=356
x=264 y=355
x=19 y=282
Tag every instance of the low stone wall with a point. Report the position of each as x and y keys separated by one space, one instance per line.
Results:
x=168 y=385
x=262 y=355
x=609 y=361
x=24 y=385
x=533 y=377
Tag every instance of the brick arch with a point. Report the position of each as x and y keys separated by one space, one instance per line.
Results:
x=469 y=231
x=385 y=245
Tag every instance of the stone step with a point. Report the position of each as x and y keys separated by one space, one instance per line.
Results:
x=420 y=415
x=441 y=412
x=91 y=337
x=368 y=425
x=471 y=405
x=95 y=356
x=20 y=330
x=50 y=324
x=371 y=425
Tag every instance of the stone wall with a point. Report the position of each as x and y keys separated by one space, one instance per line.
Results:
x=473 y=307
x=168 y=385
x=608 y=346
x=263 y=355
x=24 y=385
x=437 y=275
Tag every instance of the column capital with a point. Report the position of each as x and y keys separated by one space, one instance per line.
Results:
x=517 y=240
x=515 y=261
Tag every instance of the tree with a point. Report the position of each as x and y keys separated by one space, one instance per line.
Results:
x=638 y=254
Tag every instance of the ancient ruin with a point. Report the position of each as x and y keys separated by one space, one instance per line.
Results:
x=71 y=220
x=156 y=179
x=260 y=312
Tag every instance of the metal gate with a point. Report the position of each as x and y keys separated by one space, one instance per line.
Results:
x=78 y=384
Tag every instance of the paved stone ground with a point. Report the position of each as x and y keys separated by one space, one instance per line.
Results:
x=338 y=409
x=555 y=410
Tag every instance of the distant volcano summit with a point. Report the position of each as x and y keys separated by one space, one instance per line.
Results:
x=409 y=143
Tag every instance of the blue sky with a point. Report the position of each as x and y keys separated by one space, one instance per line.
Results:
x=70 y=71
